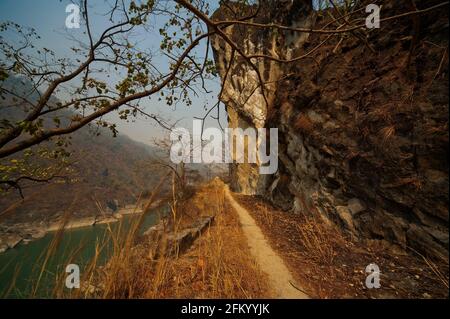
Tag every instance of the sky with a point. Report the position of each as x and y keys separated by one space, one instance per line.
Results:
x=48 y=18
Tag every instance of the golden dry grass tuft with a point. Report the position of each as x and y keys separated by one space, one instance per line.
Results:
x=217 y=265
x=387 y=133
x=330 y=264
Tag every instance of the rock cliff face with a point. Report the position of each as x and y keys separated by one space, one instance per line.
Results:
x=363 y=119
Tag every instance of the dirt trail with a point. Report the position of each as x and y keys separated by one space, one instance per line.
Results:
x=272 y=264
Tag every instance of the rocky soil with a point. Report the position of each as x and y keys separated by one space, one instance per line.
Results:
x=329 y=264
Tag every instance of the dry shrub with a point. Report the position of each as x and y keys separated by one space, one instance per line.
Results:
x=330 y=264
x=218 y=264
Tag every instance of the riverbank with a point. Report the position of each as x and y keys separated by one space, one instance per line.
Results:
x=203 y=254
x=21 y=267
x=13 y=235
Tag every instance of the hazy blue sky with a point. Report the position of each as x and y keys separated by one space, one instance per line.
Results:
x=48 y=18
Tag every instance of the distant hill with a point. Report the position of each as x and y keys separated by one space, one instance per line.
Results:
x=107 y=169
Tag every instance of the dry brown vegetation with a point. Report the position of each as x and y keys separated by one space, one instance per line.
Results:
x=329 y=264
x=217 y=265
x=304 y=124
x=324 y=261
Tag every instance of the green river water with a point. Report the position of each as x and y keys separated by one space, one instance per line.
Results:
x=21 y=266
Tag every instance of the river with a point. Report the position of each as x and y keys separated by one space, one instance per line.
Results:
x=21 y=266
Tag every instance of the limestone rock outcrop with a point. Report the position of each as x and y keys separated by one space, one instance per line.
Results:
x=363 y=119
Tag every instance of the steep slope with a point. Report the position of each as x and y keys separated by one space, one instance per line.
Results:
x=362 y=119
x=280 y=278
x=105 y=172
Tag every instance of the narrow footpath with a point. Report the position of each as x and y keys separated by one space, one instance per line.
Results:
x=281 y=279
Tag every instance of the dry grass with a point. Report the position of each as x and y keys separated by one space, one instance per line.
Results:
x=118 y=242
x=387 y=133
x=329 y=264
x=218 y=264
